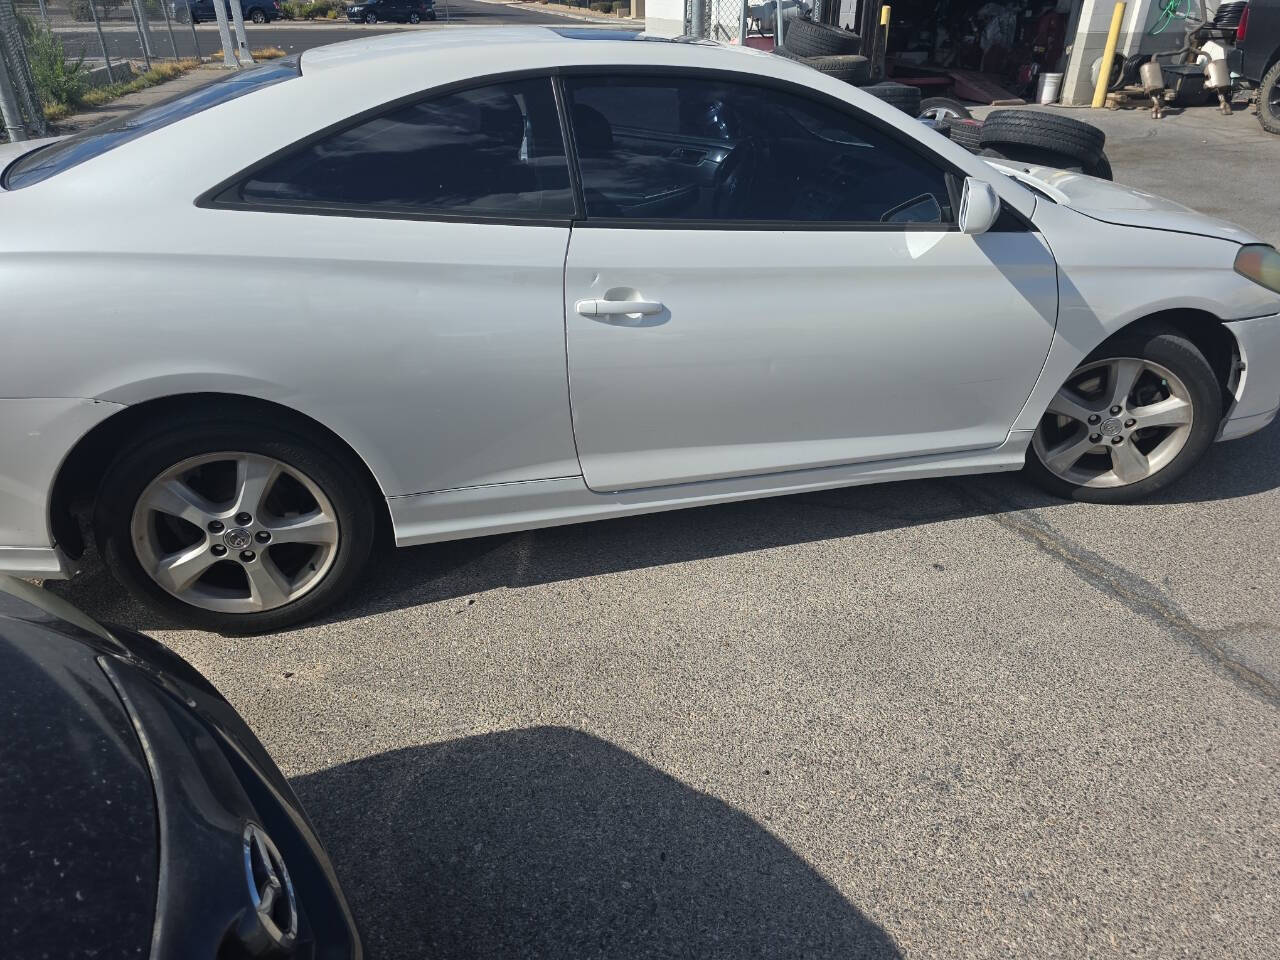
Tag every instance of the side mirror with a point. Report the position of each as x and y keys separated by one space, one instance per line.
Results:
x=979 y=206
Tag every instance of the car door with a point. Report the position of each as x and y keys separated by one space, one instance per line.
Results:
x=408 y=269
x=766 y=281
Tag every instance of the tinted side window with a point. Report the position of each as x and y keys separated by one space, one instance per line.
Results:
x=707 y=149
x=488 y=151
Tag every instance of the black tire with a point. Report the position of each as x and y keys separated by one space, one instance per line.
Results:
x=1269 y=99
x=943 y=109
x=905 y=98
x=967 y=133
x=1171 y=349
x=1081 y=141
x=1101 y=169
x=850 y=69
x=371 y=18
x=167 y=444
x=414 y=18
x=257 y=16
x=808 y=39
x=1032 y=156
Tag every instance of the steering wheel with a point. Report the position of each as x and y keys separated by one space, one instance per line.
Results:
x=745 y=168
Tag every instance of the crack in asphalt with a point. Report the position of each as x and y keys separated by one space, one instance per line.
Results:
x=1133 y=591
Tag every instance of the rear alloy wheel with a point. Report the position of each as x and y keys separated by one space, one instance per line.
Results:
x=229 y=529
x=257 y=16
x=1128 y=422
x=415 y=18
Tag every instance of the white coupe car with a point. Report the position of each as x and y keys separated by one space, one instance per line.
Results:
x=472 y=281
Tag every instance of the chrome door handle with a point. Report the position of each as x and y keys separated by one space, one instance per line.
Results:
x=616 y=308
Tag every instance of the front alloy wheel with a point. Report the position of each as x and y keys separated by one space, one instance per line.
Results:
x=414 y=18
x=370 y=18
x=257 y=16
x=1128 y=422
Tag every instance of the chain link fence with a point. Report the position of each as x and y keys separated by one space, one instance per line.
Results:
x=728 y=21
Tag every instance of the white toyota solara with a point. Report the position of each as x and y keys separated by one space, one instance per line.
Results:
x=473 y=281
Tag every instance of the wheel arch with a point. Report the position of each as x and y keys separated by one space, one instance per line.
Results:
x=1206 y=331
x=83 y=469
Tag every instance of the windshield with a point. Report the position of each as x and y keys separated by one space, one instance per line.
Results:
x=56 y=157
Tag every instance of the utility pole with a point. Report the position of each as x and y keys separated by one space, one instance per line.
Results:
x=9 y=111
x=195 y=41
x=698 y=19
x=144 y=29
x=164 y=7
x=228 y=50
x=143 y=42
x=102 y=41
x=242 y=43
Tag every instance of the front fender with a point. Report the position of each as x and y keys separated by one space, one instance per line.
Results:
x=1110 y=276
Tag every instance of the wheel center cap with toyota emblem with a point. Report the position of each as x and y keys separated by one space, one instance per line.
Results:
x=1110 y=428
x=237 y=538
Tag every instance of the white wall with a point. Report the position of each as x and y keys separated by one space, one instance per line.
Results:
x=1091 y=40
x=664 y=18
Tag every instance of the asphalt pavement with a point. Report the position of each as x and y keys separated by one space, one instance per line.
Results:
x=952 y=719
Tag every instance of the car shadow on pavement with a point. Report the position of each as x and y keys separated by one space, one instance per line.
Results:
x=444 y=571
x=549 y=842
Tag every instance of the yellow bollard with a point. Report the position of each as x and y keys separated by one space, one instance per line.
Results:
x=1108 y=55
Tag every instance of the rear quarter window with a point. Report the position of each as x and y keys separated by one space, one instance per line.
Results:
x=53 y=159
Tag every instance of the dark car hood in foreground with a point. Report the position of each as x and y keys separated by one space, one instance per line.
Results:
x=77 y=813
x=129 y=789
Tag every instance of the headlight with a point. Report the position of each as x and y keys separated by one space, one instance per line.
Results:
x=1261 y=264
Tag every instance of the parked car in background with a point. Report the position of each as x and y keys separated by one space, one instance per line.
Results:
x=452 y=283
x=142 y=817
x=201 y=11
x=1256 y=59
x=399 y=11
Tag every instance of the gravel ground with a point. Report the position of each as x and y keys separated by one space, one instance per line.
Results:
x=931 y=719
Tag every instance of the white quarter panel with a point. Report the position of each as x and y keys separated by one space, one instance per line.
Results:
x=792 y=350
x=36 y=434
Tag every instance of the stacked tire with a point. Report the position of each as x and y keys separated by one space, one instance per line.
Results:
x=905 y=98
x=829 y=50
x=805 y=38
x=967 y=133
x=1035 y=137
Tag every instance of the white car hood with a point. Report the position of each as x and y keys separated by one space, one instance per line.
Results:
x=1127 y=206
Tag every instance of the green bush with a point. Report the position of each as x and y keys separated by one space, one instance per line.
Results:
x=602 y=6
x=319 y=10
x=80 y=9
x=59 y=81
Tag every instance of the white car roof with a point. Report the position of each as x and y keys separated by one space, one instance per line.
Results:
x=345 y=80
